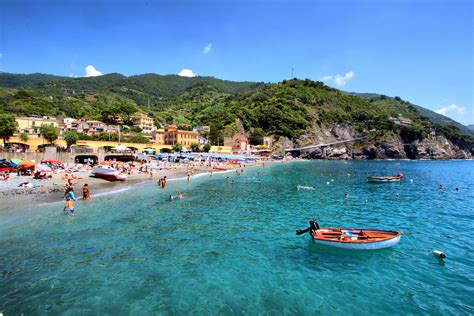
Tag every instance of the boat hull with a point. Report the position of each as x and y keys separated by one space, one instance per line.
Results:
x=108 y=174
x=356 y=238
x=360 y=246
x=383 y=179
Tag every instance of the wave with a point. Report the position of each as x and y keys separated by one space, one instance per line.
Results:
x=105 y=193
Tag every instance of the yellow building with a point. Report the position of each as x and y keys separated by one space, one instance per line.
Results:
x=32 y=125
x=144 y=122
x=171 y=135
x=159 y=136
x=187 y=138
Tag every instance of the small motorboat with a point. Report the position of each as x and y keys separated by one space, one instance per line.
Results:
x=108 y=173
x=394 y=178
x=352 y=238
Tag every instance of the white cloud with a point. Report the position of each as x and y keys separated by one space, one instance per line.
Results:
x=207 y=49
x=186 y=73
x=452 y=108
x=340 y=80
x=456 y=112
x=92 y=72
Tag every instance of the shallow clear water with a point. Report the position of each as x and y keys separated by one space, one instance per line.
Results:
x=229 y=247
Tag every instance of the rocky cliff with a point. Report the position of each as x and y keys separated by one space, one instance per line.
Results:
x=374 y=147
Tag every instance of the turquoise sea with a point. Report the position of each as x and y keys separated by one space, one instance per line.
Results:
x=229 y=247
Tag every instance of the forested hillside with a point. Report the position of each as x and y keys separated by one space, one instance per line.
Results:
x=291 y=108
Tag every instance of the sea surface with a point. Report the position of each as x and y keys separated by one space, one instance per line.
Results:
x=229 y=247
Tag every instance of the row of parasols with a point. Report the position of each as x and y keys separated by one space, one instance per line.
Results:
x=44 y=166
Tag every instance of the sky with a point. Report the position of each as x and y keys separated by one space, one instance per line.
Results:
x=420 y=50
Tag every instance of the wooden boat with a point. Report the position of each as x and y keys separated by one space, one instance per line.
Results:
x=356 y=238
x=107 y=173
x=395 y=178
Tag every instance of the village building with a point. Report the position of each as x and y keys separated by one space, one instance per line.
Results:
x=144 y=122
x=170 y=135
x=32 y=125
x=238 y=142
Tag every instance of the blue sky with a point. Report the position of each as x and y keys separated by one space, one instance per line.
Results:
x=421 y=51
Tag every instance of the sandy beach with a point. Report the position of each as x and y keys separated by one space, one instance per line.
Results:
x=12 y=195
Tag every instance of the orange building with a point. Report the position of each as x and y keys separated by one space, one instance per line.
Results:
x=170 y=135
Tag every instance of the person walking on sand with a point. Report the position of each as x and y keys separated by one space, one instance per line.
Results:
x=67 y=187
x=189 y=177
x=86 y=195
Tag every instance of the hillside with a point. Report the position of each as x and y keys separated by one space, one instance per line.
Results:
x=410 y=110
x=293 y=109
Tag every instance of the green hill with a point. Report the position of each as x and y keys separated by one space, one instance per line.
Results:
x=410 y=110
x=291 y=108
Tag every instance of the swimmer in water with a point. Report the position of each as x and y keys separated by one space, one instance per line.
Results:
x=346 y=196
x=441 y=187
x=180 y=195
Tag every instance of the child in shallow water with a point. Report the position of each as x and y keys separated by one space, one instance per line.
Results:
x=69 y=208
x=86 y=195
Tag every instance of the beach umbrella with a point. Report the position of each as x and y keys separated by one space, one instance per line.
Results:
x=27 y=163
x=16 y=160
x=43 y=168
x=52 y=161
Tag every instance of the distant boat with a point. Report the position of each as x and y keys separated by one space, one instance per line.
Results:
x=352 y=238
x=219 y=168
x=107 y=173
x=356 y=238
x=395 y=178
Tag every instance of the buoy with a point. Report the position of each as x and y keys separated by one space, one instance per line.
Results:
x=439 y=254
x=327 y=182
x=332 y=180
x=411 y=180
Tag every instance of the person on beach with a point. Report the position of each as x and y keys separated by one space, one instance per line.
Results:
x=189 y=177
x=86 y=195
x=70 y=194
x=67 y=187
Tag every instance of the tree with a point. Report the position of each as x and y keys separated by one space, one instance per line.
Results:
x=216 y=135
x=50 y=133
x=8 y=126
x=24 y=137
x=70 y=137
x=195 y=147
x=206 y=148
x=177 y=147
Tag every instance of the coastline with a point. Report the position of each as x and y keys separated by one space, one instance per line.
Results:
x=51 y=191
